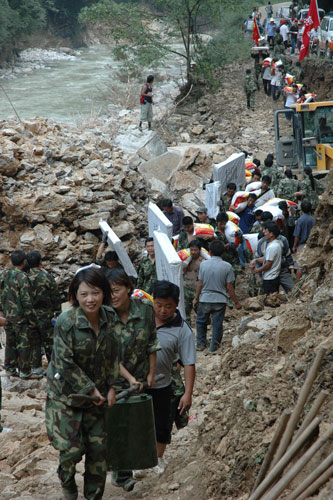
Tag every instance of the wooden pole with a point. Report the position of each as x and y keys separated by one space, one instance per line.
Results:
x=312 y=477
x=272 y=447
x=317 y=484
x=303 y=396
x=275 y=492
x=283 y=462
x=318 y=403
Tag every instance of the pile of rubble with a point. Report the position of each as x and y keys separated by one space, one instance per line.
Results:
x=57 y=183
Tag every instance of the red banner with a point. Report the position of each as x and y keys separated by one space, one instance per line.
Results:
x=255 y=32
x=311 y=21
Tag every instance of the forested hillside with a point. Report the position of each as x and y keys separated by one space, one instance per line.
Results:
x=20 y=18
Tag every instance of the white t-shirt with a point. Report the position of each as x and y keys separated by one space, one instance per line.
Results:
x=267 y=75
x=273 y=253
x=276 y=79
x=290 y=99
x=284 y=32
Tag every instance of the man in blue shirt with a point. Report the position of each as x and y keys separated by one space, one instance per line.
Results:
x=247 y=216
x=303 y=225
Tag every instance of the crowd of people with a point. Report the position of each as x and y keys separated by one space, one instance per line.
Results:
x=278 y=74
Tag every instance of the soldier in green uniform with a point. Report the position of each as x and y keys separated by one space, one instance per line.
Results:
x=275 y=173
x=287 y=187
x=85 y=360
x=187 y=234
x=311 y=188
x=46 y=302
x=3 y=321
x=17 y=306
x=147 y=271
x=134 y=326
x=250 y=87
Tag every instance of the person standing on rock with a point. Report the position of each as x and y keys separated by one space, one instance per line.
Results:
x=17 y=306
x=215 y=284
x=85 y=361
x=250 y=87
x=146 y=102
x=147 y=271
x=47 y=303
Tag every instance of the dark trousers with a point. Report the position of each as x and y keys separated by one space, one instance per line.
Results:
x=276 y=92
x=267 y=87
x=271 y=286
x=161 y=404
x=217 y=310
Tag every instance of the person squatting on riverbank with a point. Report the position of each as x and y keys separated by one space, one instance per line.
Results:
x=85 y=360
x=146 y=102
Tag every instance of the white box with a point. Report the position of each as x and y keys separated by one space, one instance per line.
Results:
x=230 y=170
x=157 y=221
x=168 y=265
x=213 y=195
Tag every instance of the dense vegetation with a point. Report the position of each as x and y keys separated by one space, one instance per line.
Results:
x=19 y=18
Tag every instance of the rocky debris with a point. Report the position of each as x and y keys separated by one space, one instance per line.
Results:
x=57 y=183
x=292 y=324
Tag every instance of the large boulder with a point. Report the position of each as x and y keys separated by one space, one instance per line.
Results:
x=293 y=323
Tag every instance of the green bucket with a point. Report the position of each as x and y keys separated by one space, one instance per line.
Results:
x=131 y=441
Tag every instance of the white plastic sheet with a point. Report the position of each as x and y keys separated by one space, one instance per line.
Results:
x=157 y=221
x=117 y=245
x=213 y=195
x=230 y=170
x=168 y=264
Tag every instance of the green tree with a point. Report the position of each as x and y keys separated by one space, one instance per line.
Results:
x=142 y=35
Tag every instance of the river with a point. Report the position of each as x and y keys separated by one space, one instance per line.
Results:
x=67 y=89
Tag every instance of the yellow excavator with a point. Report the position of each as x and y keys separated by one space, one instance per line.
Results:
x=304 y=137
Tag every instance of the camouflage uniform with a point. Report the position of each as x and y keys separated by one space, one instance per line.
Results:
x=275 y=173
x=310 y=194
x=230 y=255
x=147 y=274
x=46 y=301
x=137 y=339
x=286 y=189
x=17 y=306
x=182 y=241
x=250 y=86
x=257 y=66
x=81 y=361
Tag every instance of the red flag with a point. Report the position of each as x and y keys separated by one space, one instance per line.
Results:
x=311 y=21
x=255 y=32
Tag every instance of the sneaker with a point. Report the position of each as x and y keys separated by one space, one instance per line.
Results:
x=140 y=473
x=160 y=467
x=199 y=348
x=128 y=484
x=25 y=375
x=38 y=371
x=12 y=373
x=5 y=429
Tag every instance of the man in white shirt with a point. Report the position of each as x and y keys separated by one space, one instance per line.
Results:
x=271 y=262
x=284 y=30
